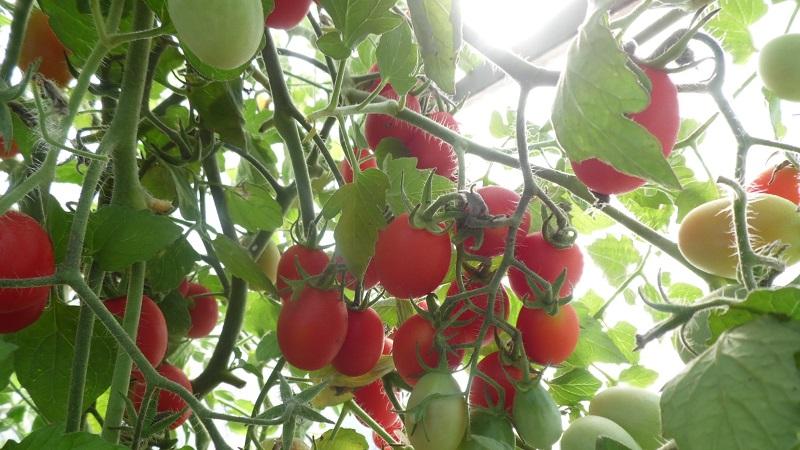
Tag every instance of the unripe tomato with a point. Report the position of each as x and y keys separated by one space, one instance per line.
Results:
x=583 y=433
x=469 y=321
x=222 y=33
x=40 y=42
x=661 y=118
x=151 y=337
x=14 y=321
x=312 y=328
x=288 y=13
x=366 y=160
x=436 y=414
x=168 y=402
x=491 y=425
x=362 y=345
x=548 y=262
x=411 y=262
x=312 y=260
x=780 y=68
x=536 y=416
x=783 y=182
x=549 y=340
x=203 y=310
x=500 y=201
x=432 y=152
x=28 y=253
x=707 y=238
x=268 y=262
x=636 y=410
x=10 y=152
x=414 y=341
x=380 y=126
x=484 y=394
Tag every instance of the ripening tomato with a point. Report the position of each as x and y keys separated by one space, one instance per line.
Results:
x=548 y=262
x=14 y=321
x=583 y=433
x=536 y=416
x=203 y=310
x=411 y=262
x=10 y=152
x=366 y=160
x=312 y=260
x=27 y=253
x=636 y=410
x=436 y=414
x=40 y=42
x=288 y=13
x=486 y=395
x=780 y=68
x=414 y=341
x=312 y=328
x=500 y=202
x=783 y=182
x=661 y=118
x=469 y=322
x=268 y=261
x=432 y=152
x=380 y=126
x=168 y=402
x=549 y=340
x=151 y=337
x=362 y=345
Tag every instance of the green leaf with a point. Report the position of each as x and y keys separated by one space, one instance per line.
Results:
x=693 y=195
x=355 y=20
x=58 y=224
x=437 y=24
x=397 y=58
x=268 y=348
x=253 y=207
x=261 y=315
x=653 y=207
x=594 y=344
x=615 y=256
x=731 y=26
x=638 y=376
x=6 y=362
x=784 y=302
x=624 y=336
x=219 y=105
x=239 y=263
x=573 y=387
x=606 y=443
x=186 y=195
x=168 y=267
x=595 y=93
x=176 y=311
x=345 y=439
x=775 y=116
x=413 y=183
x=589 y=220
x=52 y=437
x=740 y=394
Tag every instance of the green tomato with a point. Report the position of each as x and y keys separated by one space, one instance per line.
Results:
x=268 y=261
x=436 y=414
x=779 y=66
x=635 y=410
x=222 y=33
x=485 y=426
x=583 y=434
x=536 y=416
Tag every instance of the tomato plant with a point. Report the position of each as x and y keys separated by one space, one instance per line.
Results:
x=505 y=375
x=23 y=237
x=547 y=261
x=151 y=337
x=414 y=342
x=467 y=322
x=436 y=414
x=42 y=44
x=549 y=339
x=362 y=345
x=203 y=310
x=298 y=257
x=499 y=201
x=168 y=402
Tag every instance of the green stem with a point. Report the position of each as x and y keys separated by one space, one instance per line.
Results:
x=370 y=422
x=19 y=23
x=262 y=396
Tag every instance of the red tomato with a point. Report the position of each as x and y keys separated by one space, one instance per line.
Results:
x=411 y=262
x=784 y=182
x=370 y=277
x=486 y=395
x=288 y=13
x=27 y=253
x=501 y=202
x=471 y=321
x=547 y=261
x=9 y=153
x=432 y=152
x=17 y=320
x=393 y=430
x=366 y=160
x=312 y=328
x=363 y=344
x=40 y=42
x=413 y=339
x=151 y=337
x=373 y=399
x=203 y=309
x=549 y=339
x=183 y=288
x=380 y=126
x=168 y=402
x=312 y=260
x=661 y=118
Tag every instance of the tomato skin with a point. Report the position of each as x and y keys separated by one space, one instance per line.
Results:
x=636 y=410
x=582 y=434
x=203 y=310
x=151 y=337
x=536 y=416
x=40 y=41
x=380 y=126
x=288 y=13
x=205 y=27
x=362 y=345
x=445 y=418
x=500 y=201
x=398 y=245
x=473 y=321
x=486 y=395
x=168 y=402
x=549 y=340
x=661 y=118
x=415 y=338
x=783 y=182
x=313 y=261
x=23 y=237
x=18 y=320
x=489 y=424
x=312 y=328
x=268 y=262
x=10 y=152
x=432 y=152
x=779 y=68
x=366 y=160
x=548 y=262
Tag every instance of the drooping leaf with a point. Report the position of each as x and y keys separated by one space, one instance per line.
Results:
x=253 y=207
x=397 y=58
x=239 y=263
x=437 y=24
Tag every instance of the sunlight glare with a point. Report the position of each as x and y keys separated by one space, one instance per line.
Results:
x=506 y=22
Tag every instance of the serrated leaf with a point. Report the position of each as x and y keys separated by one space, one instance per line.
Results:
x=355 y=20
x=52 y=437
x=615 y=256
x=784 y=302
x=653 y=207
x=253 y=207
x=573 y=387
x=345 y=439
x=413 y=183
x=397 y=58
x=437 y=24
x=731 y=26
x=168 y=267
x=623 y=334
x=239 y=263
x=638 y=376
x=594 y=344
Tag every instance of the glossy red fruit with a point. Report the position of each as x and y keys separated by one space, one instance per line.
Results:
x=411 y=262
x=366 y=160
x=26 y=253
x=370 y=278
x=312 y=260
x=413 y=339
x=500 y=202
x=288 y=13
x=380 y=126
x=661 y=118
x=10 y=152
x=548 y=261
x=549 y=340
x=151 y=337
x=168 y=402
x=17 y=320
x=470 y=322
x=783 y=182
x=486 y=395
x=432 y=152
x=362 y=345
x=203 y=309
x=41 y=42
x=312 y=328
